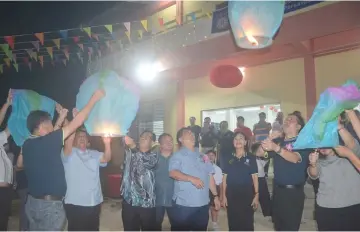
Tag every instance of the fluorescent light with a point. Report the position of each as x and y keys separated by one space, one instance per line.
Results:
x=251 y=109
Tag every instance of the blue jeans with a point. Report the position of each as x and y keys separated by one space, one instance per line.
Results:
x=190 y=218
x=45 y=215
x=160 y=213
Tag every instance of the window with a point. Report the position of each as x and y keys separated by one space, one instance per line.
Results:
x=251 y=115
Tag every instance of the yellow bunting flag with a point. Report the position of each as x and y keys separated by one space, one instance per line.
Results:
x=127 y=26
x=140 y=33
x=209 y=14
x=109 y=28
x=34 y=56
x=50 y=51
x=81 y=46
x=144 y=23
x=16 y=66
x=57 y=43
x=7 y=61
x=41 y=59
x=128 y=35
x=1 y=68
x=88 y=31
x=40 y=37
x=5 y=47
x=64 y=62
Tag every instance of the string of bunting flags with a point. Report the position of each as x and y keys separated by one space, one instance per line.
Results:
x=89 y=42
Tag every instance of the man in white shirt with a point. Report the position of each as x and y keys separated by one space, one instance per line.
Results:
x=84 y=195
x=218 y=176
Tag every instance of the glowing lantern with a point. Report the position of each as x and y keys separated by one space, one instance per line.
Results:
x=226 y=76
x=112 y=116
x=255 y=23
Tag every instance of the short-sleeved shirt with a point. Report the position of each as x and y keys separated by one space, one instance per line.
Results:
x=208 y=139
x=244 y=130
x=196 y=130
x=164 y=184
x=43 y=165
x=194 y=164
x=226 y=142
x=83 y=177
x=261 y=131
x=239 y=171
x=288 y=173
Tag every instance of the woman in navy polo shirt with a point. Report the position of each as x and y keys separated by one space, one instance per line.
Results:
x=289 y=175
x=240 y=186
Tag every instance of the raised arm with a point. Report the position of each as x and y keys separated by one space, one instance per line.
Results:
x=106 y=157
x=5 y=107
x=293 y=157
x=83 y=114
x=313 y=169
x=349 y=154
x=69 y=142
x=345 y=135
x=354 y=121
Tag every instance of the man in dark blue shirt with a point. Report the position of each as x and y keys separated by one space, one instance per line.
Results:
x=41 y=155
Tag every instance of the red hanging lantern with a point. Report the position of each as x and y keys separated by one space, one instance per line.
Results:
x=275 y=110
x=271 y=108
x=226 y=76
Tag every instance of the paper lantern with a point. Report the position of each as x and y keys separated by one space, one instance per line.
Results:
x=255 y=23
x=226 y=76
x=112 y=116
x=25 y=101
x=271 y=108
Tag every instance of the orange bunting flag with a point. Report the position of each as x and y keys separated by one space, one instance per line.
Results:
x=76 y=39
x=161 y=22
x=95 y=36
x=10 y=40
x=128 y=35
x=1 y=68
x=88 y=31
x=50 y=51
x=57 y=43
x=16 y=66
x=109 y=28
x=144 y=23
x=81 y=46
x=40 y=37
x=64 y=62
x=41 y=59
x=7 y=61
x=127 y=26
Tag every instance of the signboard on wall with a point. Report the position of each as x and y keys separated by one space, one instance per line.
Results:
x=220 y=20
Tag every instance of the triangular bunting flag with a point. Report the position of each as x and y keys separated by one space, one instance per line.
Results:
x=79 y=55
x=64 y=62
x=14 y=57
x=76 y=39
x=16 y=66
x=161 y=22
x=140 y=33
x=29 y=64
x=144 y=23
x=10 y=40
x=128 y=35
x=7 y=61
x=29 y=52
x=109 y=28
x=57 y=43
x=50 y=51
x=9 y=54
x=34 y=56
x=209 y=14
x=95 y=36
x=64 y=34
x=36 y=45
x=88 y=31
x=81 y=46
x=1 y=68
x=40 y=37
x=127 y=26
x=41 y=59
x=5 y=47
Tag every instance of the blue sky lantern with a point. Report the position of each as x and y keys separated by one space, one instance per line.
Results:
x=255 y=23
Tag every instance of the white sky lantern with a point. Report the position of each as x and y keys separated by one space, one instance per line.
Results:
x=255 y=23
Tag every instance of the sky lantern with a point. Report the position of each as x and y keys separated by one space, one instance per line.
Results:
x=255 y=23
x=226 y=76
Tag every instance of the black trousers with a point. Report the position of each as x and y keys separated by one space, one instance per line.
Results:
x=83 y=218
x=137 y=218
x=264 y=197
x=5 y=206
x=239 y=211
x=160 y=213
x=287 y=207
x=338 y=219
x=189 y=218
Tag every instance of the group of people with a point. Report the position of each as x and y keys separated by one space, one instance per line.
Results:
x=64 y=185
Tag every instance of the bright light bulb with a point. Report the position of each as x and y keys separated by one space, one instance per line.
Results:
x=148 y=71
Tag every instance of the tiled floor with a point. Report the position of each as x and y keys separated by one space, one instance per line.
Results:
x=111 y=216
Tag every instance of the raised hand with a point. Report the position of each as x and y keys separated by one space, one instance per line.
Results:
x=63 y=113
x=58 y=108
x=313 y=158
x=74 y=112
x=106 y=139
x=9 y=98
x=100 y=93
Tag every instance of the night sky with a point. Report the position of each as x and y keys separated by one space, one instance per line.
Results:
x=59 y=83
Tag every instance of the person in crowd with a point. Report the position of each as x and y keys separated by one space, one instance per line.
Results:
x=338 y=198
x=138 y=185
x=164 y=184
x=208 y=136
x=264 y=195
x=262 y=128
x=193 y=175
x=225 y=143
x=6 y=171
x=196 y=130
x=277 y=125
x=218 y=176
x=42 y=162
x=242 y=128
x=289 y=175
x=83 y=195
x=240 y=186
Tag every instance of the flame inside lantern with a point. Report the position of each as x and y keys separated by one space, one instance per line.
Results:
x=252 y=40
x=107 y=130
